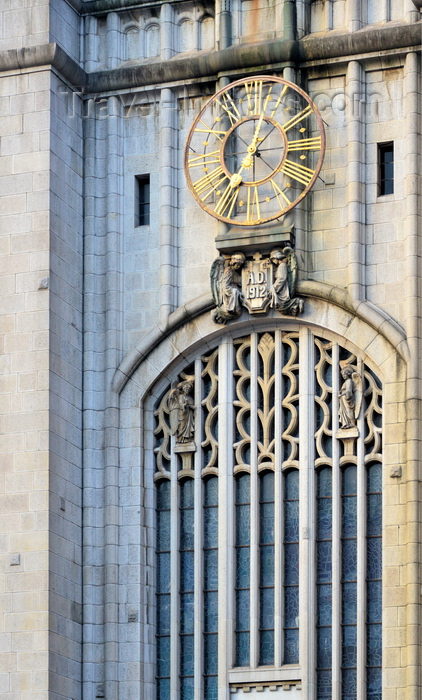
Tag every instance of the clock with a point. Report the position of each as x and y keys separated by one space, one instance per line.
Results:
x=254 y=151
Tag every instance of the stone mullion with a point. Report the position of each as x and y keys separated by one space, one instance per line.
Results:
x=168 y=219
x=307 y=606
x=361 y=553
x=198 y=538
x=226 y=563
x=336 y=575
x=175 y=575
x=278 y=511
x=254 y=523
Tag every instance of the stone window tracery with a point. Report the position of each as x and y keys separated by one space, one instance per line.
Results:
x=275 y=522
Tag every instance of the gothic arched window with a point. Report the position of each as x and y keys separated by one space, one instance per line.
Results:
x=268 y=481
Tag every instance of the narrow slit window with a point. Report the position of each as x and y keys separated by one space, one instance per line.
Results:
x=142 y=200
x=385 y=168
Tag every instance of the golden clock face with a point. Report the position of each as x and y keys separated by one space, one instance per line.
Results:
x=254 y=151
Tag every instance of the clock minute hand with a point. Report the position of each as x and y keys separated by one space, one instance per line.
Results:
x=252 y=146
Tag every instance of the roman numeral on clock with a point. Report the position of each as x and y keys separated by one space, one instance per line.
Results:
x=297 y=172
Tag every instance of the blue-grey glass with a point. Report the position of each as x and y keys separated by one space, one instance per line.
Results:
x=266 y=523
x=291 y=521
x=324 y=565
x=349 y=516
x=349 y=560
x=324 y=519
x=186 y=654
x=324 y=647
x=349 y=481
x=211 y=612
x=374 y=558
x=349 y=646
x=374 y=514
x=291 y=564
x=373 y=645
x=291 y=606
x=291 y=485
x=186 y=571
x=374 y=601
x=163 y=614
x=163 y=656
x=163 y=530
x=210 y=569
x=186 y=613
x=242 y=648
x=374 y=478
x=163 y=565
x=163 y=495
x=267 y=487
x=242 y=610
x=349 y=684
x=291 y=646
x=266 y=647
x=324 y=604
x=243 y=524
x=186 y=529
x=211 y=492
x=242 y=567
x=374 y=683
x=266 y=555
x=187 y=688
x=211 y=654
x=211 y=688
x=186 y=494
x=349 y=605
x=210 y=527
x=266 y=608
x=324 y=685
x=163 y=689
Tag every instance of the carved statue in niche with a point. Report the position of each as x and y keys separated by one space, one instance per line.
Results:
x=226 y=287
x=181 y=408
x=350 y=396
x=282 y=292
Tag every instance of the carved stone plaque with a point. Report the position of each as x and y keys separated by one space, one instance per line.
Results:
x=257 y=278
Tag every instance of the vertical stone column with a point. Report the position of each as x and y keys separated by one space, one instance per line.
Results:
x=91 y=43
x=113 y=39
x=354 y=15
x=413 y=308
x=225 y=26
x=356 y=180
x=168 y=219
x=167 y=32
x=411 y=13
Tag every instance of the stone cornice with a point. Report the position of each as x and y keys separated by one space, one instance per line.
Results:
x=241 y=57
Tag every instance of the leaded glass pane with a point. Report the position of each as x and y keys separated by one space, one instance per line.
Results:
x=210 y=569
x=211 y=688
x=242 y=649
x=211 y=611
x=374 y=603
x=163 y=689
x=374 y=514
x=375 y=478
x=291 y=524
x=211 y=492
x=163 y=530
x=186 y=529
x=267 y=487
x=349 y=519
x=163 y=656
x=291 y=646
x=163 y=495
x=291 y=566
x=325 y=519
x=187 y=613
x=243 y=567
x=291 y=485
x=267 y=523
x=374 y=555
x=349 y=650
x=350 y=560
x=243 y=608
x=163 y=565
x=324 y=487
x=350 y=481
x=243 y=524
x=211 y=654
x=267 y=608
x=349 y=603
x=349 y=684
x=324 y=685
x=267 y=565
x=324 y=647
x=186 y=654
x=243 y=489
x=266 y=647
x=374 y=683
x=291 y=606
x=187 y=688
x=324 y=564
x=186 y=494
x=324 y=604
x=210 y=527
x=374 y=645
x=163 y=614
x=186 y=571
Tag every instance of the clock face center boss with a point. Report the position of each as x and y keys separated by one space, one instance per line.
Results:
x=254 y=151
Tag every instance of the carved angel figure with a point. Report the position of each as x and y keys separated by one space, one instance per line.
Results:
x=350 y=396
x=282 y=292
x=226 y=287
x=181 y=409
